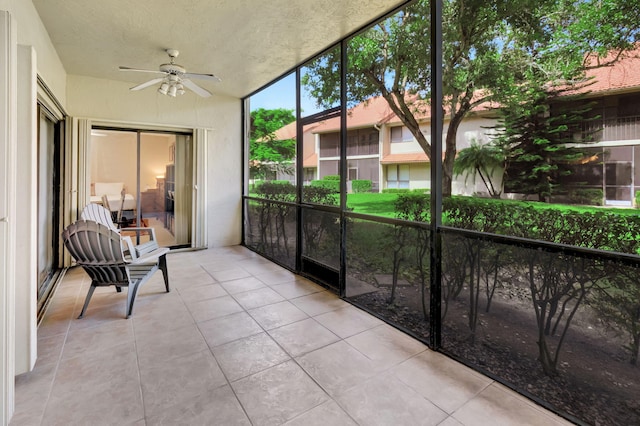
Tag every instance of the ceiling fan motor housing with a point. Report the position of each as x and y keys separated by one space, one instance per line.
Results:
x=172 y=69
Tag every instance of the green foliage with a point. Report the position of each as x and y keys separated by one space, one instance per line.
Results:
x=590 y=229
x=413 y=207
x=361 y=185
x=332 y=185
x=490 y=48
x=483 y=160
x=266 y=153
x=320 y=195
x=331 y=177
x=537 y=126
x=638 y=199
x=586 y=196
x=277 y=191
x=404 y=190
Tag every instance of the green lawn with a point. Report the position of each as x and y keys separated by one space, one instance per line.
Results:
x=383 y=205
x=372 y=203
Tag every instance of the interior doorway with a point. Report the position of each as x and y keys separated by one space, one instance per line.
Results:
x=144 y=179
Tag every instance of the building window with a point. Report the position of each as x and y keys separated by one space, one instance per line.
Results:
x=401 y=134
x=398 y=176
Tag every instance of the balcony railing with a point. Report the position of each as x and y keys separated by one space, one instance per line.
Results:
x=614 y=129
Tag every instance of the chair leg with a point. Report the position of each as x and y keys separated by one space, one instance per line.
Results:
x=87 y=299
x=131 y=297
x=118 y=289
x=162 y=264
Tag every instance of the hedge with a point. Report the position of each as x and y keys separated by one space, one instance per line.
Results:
x=361 y=185
x=600 y=230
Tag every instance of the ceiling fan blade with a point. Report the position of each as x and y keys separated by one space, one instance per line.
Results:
x=147 y=84
x=195 y=88
x=141 y=70
x=202 y=76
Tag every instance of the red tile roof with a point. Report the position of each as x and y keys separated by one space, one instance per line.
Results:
x=418 y=157
x=310 y=161
x=623 y=74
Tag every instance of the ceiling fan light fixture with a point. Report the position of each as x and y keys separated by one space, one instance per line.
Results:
x=163 y=89
x=172 y=91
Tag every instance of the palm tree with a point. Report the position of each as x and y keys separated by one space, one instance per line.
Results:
x=482 y=160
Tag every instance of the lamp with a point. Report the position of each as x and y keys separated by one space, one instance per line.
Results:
x=172 y=90
x=163 y=88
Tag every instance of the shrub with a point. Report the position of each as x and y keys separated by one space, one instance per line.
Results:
x=405 y=190
x=361 y=185
x=320 y=195
x=283 y=191
x=333 y=185
x=599 y=230
x=331 y=177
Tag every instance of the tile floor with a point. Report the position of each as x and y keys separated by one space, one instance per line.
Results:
x=241 y=341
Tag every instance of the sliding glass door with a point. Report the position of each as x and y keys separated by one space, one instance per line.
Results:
x=144 y=179
x=49 y=129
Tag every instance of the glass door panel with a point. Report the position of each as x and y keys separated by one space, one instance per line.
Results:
x=48 y=192
x=320 y=227
x=144 y=180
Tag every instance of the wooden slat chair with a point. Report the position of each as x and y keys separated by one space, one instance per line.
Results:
x=98 y=213
x=99 y=250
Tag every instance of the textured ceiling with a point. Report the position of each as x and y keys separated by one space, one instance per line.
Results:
x=247 y=43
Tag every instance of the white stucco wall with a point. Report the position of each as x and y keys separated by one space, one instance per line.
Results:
x=31 y=32
x=38 y=54
x=106 y=100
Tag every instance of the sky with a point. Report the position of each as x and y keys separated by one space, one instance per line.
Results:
x=282 y=94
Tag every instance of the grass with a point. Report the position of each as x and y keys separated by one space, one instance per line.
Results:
x=377 y=204
x=382 y=204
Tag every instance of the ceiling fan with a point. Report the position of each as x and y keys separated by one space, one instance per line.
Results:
x=175 y=78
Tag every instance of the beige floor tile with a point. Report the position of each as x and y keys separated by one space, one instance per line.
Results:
x=303 y=336
x=191 y=277
x=277 y=315
x=213 y=308
x=347 y=321
x=386 y=345
x=103 y=388
x=278 y=394
x=166 y=345
x=327 y=414
x=384 y=400
x=243 y=284
x=497 y=405
x=230 y=274
x=161 y=321
x=276 y=277
x=443 y=381
x=256 y=298
x=338 y=367
x=171 y=362
x=99 y=338
x=32 y=391
x=55 y=324
x=179 y=379
x=215 y=407
x=219 y=331
x=250 y=355
x=256 y=266
x=296 y=288
x=319 y=303
x=203 y=292
x=50 y=349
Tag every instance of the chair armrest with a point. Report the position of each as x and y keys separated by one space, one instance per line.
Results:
x=129 y=248
x=148 y=230
x=150 y=257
